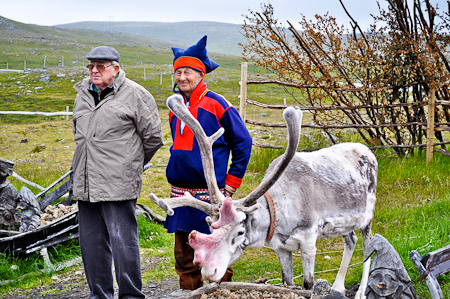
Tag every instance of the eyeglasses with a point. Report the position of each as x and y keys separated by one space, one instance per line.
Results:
x=100 y=67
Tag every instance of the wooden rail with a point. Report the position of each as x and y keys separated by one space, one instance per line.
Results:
x=430 y=125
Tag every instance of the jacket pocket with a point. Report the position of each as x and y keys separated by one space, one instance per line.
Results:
x=81 y=123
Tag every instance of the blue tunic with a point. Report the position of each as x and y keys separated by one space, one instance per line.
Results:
x=185 y=169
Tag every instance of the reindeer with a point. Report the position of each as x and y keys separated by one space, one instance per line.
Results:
x=303 y=197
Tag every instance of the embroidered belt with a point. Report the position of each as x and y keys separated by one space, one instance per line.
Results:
x=202 y=194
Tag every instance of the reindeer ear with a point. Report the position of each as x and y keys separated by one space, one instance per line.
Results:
x=228 y=214
x=251 y=209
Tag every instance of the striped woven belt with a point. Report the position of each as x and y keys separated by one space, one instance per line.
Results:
x=202 y=194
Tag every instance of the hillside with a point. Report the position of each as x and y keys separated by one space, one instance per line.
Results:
x=21 y=42
x=25 y=42
x=223 y=38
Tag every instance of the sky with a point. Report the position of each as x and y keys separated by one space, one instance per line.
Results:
x=55 y=12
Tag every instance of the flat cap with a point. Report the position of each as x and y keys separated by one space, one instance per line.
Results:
x=103 y=53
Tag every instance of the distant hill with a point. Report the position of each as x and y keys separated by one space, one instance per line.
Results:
x=21 y=42
x=17 y=30
x=223 y=38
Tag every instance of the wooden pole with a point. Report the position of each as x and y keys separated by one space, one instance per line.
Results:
x=160 y=79
x=67 y=110
x=430 y=125
x=23 y=180
x=243 y=95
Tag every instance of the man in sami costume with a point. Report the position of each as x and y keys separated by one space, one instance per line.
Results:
x=185 y=171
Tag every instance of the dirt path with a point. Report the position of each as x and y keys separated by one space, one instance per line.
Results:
x=72 y=284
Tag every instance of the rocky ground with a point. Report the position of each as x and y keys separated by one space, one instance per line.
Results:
x=72 y=284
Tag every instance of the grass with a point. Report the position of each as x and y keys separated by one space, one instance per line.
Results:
x=28 y=271
x=153 y=235
x=412 y=210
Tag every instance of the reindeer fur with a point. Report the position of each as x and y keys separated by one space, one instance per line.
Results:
x=321 y=194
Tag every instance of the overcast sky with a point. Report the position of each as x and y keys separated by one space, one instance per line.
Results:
x=55 y=12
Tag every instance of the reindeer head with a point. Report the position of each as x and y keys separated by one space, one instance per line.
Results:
x=215 y=252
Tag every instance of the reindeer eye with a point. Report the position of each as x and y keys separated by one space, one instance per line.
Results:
x=240 y=233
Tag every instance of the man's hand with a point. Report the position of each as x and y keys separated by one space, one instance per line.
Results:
x=229 y=191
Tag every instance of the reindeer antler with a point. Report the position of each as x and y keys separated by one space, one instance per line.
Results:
x=175 y=202
x=177 y=106
x=293 y=120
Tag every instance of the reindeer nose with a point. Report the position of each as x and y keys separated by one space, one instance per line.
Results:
x=214 y=276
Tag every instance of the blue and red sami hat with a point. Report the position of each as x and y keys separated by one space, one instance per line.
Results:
x=194 y=57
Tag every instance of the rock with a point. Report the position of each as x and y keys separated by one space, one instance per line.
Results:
x=335 y=295
x=321 y=287
x=44 y=78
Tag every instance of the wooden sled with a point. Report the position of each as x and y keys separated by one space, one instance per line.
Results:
x=59 y=230
x=430 y=266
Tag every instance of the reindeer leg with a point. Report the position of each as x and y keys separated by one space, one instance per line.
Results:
x=366 y=236
x=287 y=268
x=349 y=246
x=308 y=247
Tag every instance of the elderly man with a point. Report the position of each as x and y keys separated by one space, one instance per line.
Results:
x=185 y=171
x=117 y=131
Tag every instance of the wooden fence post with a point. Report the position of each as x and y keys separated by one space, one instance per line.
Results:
x=430 y=125
x=243 y=95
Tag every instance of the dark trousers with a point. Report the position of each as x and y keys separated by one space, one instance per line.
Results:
x=108 y=232
x=190 y=275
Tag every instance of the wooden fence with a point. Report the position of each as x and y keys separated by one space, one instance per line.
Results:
x=430 y=124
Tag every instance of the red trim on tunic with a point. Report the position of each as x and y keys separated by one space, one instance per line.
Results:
x=213 y=108
x=232 y=181
x=186 y=141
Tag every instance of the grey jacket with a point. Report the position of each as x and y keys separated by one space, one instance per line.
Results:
x=113 y=140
